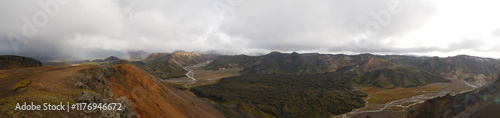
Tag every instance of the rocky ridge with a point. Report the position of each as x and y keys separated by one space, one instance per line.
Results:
x=12 y=61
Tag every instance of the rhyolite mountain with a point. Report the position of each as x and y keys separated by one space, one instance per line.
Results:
x=170 y=65
x=476 y=70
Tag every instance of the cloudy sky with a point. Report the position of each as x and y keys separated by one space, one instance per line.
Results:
x=87 y=29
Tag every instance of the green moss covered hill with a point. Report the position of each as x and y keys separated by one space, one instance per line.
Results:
x=284 y=95
x=400 y=76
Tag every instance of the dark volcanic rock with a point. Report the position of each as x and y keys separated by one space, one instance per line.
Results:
x=12 y=61
x=481 y=103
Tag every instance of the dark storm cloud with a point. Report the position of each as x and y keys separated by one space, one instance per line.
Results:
x=284 y=25
x=87 y=29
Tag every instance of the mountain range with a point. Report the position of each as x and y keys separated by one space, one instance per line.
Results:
x=479 y=71
x=272 y=85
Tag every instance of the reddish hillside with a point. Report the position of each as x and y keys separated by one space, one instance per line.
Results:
x=141 y=94
x=177 y=58
x=152 y=99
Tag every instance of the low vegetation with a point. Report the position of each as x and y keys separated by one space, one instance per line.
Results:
x=396 y=108
x=3 y=75
x=164 y=72
x=230 y=72
x=36 y=96
x=284 y=95
x=21 y=84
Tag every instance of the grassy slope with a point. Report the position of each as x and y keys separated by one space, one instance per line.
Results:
x=397 y=76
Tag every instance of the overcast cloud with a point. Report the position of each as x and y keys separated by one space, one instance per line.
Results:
x=87 y=29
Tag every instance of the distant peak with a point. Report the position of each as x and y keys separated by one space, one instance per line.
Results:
x=112 y=58
x=137 y=55
x=12 y=61
x=368 y=54
x=463 y=56
x=180 y=52
x=274 y=52
x=160 y=53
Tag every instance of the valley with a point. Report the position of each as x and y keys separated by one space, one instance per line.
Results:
x=391 y=85
x=196 y=76
x=379 y=100
x=401 y=99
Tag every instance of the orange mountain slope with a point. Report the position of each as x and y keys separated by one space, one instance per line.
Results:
x=141 y=94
